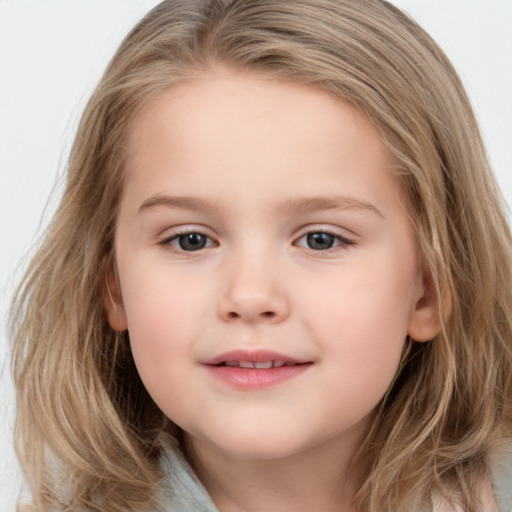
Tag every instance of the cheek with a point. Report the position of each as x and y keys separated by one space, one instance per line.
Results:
x=159 y=300
x=361 y=315
x=360 y=329
x=164 y=318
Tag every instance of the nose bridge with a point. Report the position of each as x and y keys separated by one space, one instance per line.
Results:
x=253 y=290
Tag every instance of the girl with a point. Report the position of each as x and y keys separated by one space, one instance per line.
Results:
x=278 y=277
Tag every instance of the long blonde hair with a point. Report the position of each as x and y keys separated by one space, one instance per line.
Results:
x=89 y=435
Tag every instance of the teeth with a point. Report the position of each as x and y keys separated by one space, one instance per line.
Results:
x=265 y=365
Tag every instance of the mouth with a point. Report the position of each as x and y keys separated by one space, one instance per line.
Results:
x=252 y=370
x=256 y=359
x=258 y=365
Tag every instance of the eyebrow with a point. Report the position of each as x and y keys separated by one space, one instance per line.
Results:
x=299 y=205
x=314 y=204
x=180 y=203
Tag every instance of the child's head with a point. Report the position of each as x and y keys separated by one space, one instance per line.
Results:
x=339 y=98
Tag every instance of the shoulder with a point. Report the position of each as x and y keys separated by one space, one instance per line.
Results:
x=183 y=490
x=501 y=472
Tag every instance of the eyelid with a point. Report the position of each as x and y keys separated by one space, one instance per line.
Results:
x=177 y=231
x=173 y=233
x=344 y=240
x=337 y=231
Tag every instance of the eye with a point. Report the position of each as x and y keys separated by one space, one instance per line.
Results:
x=188 y=242
x=321 y=241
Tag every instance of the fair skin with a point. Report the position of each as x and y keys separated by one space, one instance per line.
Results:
x=259 y=215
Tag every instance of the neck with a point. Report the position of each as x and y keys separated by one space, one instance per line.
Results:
x=321 y=478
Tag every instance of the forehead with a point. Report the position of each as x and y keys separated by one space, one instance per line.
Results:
x=236 y=127
x=213 y=97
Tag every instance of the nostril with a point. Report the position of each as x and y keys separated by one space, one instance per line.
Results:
x=266 y=314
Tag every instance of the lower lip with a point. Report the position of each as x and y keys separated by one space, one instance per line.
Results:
x=251 y=378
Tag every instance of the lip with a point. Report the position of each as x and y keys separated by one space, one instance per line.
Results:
x=256 y=356
x=255 y=378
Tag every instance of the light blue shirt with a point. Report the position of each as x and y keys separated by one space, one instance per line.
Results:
x=186 y=493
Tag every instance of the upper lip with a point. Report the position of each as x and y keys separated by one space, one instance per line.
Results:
x=255 y=356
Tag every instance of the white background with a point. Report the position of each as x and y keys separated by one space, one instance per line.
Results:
x=52 y=53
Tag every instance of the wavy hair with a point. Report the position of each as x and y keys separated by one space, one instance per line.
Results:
x=88 y=434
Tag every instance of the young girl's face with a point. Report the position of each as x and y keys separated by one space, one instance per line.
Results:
x=261 y=225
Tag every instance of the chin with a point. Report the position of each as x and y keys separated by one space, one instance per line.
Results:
x=259 y=445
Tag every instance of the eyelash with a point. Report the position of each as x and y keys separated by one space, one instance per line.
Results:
x=337 y=240
x=168 y=241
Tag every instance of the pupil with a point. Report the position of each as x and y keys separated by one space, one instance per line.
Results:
x=192 y=241
x=320 y=241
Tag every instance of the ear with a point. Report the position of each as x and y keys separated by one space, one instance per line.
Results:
x=425 y=321
x=112 y=300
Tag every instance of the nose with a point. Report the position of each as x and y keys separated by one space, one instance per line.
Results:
x=253 y=293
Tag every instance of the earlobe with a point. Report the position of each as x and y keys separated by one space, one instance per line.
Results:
x=425 y=320
x=113 y=302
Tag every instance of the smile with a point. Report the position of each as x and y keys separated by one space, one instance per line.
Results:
x=265 y=365
x=254 y=370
